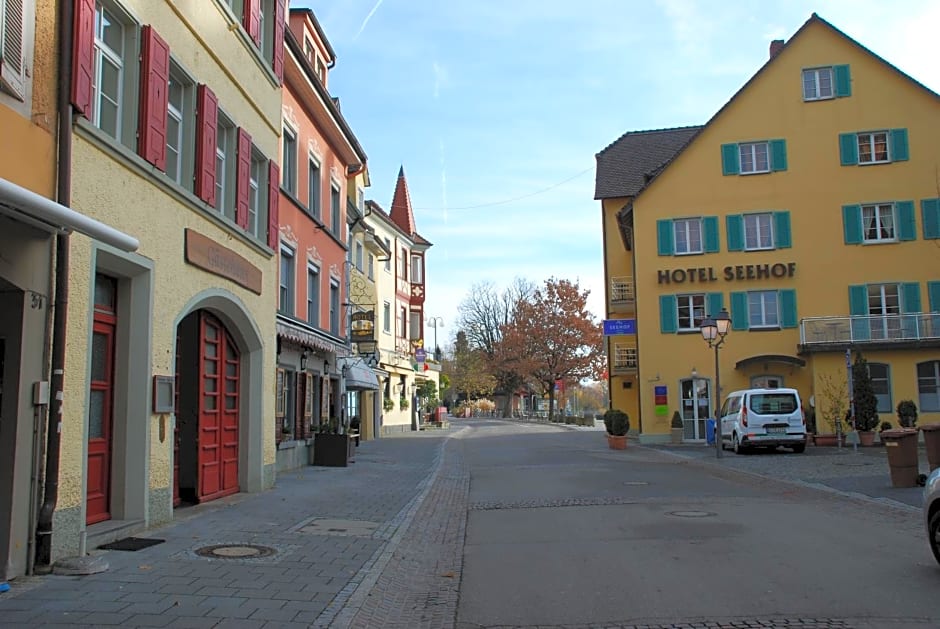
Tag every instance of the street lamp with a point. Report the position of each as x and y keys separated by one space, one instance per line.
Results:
x=714 y=331
x=436 y=322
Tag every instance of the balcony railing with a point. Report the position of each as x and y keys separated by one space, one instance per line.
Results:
x=621 y=290
x=900 y=328
x=624 y=358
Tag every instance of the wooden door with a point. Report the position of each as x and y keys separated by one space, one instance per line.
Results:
x=100 y=404
x=218 y=411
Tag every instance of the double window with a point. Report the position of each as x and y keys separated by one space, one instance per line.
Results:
x=15 y=15
x=755 y=157
x=690 y=311
x=114 y=78
x=686 y=236
x=684 y=313
x=180 y=127
x=226 y=143
x=257 y=195
x=928 y=386
x=873 y=223
x=763 y=310
x=880 y=375
x=878 y=223
x=826 y=82
x=750 y=158
x=758 y=231
x=881 y=146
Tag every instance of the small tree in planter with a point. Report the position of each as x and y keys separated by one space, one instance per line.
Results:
x=618 y=424
x=677 y=428
x=866 y=402
x=907 y=414
x=833 y=394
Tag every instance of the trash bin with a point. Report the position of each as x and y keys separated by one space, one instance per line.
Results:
x=710 y=431
x=901 y=446
x=932 y=444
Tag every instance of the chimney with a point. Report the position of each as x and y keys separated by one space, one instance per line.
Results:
x=775 y=47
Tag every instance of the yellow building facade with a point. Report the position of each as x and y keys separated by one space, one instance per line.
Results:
x=807 y=207
x=169 y=386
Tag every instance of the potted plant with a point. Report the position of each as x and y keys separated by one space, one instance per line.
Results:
x=677 y=428
x=388 y=404
x=618 y=424
x=330 y=448
x=907 y=414
x=403 y=404
x=885 y=426
x=866 y=403
x=833 y=394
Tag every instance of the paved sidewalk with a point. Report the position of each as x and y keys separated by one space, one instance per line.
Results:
x=335 y=534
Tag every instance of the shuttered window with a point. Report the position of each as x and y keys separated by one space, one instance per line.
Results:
x=683 y=236
x=277 y=62
x=257 y=195
x=243 y=178
x=879 y=223
x=826 y=82
x=207 y=120
x=13 y=16
x=764 y=309
x=930 y=213
x=273 y=200
x=180 y=127
x=751 y=158
x=873 y=147
x=155 y=70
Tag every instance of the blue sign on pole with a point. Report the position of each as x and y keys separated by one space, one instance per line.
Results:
x=619 y=326
x=420 y=355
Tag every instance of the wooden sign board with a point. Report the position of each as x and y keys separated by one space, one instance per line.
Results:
x=210 y=256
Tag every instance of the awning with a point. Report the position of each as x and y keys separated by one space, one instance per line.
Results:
x=358 y=376
x=27 y=206
x=770 y=358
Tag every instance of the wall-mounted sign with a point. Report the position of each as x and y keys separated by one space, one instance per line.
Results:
x=363 y=327
x=661 y=400
x=730 y=273
x=619 y=326
x=209 y=255
x=420 y=355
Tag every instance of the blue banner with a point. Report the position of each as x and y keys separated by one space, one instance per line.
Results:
x=619 y=326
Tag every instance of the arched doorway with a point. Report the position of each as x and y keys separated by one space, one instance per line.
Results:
x=206 y=446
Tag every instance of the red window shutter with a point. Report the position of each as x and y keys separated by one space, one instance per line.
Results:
x=274 y=195
x=278 y=64
x=155 y=70
x=252 y=20
x=207 y=120
x=83 y=63
x=242 y=179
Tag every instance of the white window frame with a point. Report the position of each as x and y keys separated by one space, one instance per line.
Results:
x=313 y=305
x=17 y=51
x=371 y=273
x=684 y=233
x=182 y=143
x=928 y=386
x=870 y=140
x=417 y=276
x=289 y=160
x=401 y=322
x=881 y=380
x=286 y=292
x=336 y=209
x=125 y=62
x=815 y=75
x=690 y=309
x=768 y=315
x=315 y=187
x=225 y=166
x=750 y=154
x=387 y=317
x=758 y=231
x=334 y=306
x=258 y=194
x=883 y=217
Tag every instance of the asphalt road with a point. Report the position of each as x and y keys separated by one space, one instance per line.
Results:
x=564 y=532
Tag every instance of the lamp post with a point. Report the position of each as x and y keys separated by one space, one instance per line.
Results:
x=436 y=322
x=714 y=331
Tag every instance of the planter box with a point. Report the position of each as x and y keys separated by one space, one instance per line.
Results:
x=617 y=442
x=331 y=450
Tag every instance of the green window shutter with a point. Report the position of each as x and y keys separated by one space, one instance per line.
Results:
x=710 y=227
x=910 y=297
x=739 y=318
x=933 y=295
x=843 y=80
x=668 y=315
x=899 y=149
x=852 y=224
x=778 y=155
x=930 y=211
x=848 y=149
x=664 y=237
x=782 y=237
x=787 y=299
x=734 y=223
x=730 y=159
x=858 y=300
x=907 y=228
x=714 y=302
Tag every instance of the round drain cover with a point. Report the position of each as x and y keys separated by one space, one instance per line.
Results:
x=692 y=514
x=235 y=551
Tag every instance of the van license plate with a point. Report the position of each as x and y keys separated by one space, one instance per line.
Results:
x=777 y=430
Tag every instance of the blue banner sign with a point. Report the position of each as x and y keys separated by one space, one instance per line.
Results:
x=619 y=326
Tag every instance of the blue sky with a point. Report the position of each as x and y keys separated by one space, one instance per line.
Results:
x=497 y=108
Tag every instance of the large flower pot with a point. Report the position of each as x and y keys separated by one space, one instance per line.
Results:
x=901 y=445
x=676 y=435
x=617 y=442
x=829 y=440
x=932 y=444
x=866 y=437
x=331 y=450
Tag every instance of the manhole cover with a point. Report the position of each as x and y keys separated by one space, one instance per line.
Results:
x=635 y=482
x=692 y=514
x=853 y=463
x=351 y=528
x=235 y=551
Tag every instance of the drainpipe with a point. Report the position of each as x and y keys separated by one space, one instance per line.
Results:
x=63 y=189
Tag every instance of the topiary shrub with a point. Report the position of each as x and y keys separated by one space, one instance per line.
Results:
x=676 y=420
x=907 y=413
x=617 y=422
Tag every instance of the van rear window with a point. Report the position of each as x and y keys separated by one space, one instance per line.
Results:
x=764 y=403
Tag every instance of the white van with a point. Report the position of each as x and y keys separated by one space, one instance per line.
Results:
x=763 y=418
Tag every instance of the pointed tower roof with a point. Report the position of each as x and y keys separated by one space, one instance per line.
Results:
x=401 y=212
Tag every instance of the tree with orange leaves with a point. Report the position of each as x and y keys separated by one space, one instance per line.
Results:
x=553 y=337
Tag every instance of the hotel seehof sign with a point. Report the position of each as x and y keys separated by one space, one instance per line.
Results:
x=730 y=273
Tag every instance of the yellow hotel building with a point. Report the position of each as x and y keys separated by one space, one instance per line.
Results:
x=808 y=207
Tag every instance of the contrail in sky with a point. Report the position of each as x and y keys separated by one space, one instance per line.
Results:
x=368 y=17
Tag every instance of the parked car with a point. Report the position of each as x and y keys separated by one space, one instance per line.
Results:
x=763 y=418
x=932 y=512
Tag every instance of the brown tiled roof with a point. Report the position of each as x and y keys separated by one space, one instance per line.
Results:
x=628 y=164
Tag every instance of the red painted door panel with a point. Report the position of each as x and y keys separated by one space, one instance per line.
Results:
x=218 y=411
x=101 y=395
